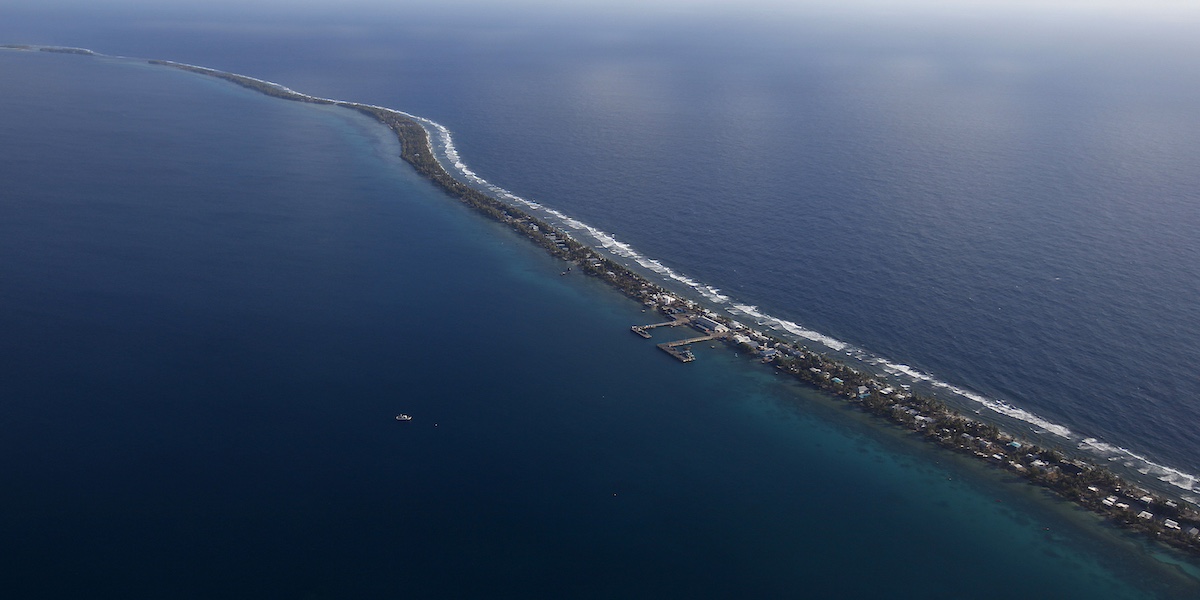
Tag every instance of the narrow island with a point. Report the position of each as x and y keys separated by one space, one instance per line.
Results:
x=1095 y=488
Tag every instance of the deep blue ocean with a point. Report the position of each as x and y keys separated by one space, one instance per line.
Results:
x=213 y=303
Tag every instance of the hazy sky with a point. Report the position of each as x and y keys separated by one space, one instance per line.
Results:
x=987 y=16
x=1127 y=8
x=1123 y=26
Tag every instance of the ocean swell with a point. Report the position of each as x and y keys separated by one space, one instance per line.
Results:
x=451 y=159
x=441 y=146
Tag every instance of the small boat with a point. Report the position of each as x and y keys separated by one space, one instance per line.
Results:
x=403 y=417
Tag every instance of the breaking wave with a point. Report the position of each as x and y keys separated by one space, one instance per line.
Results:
x=446 y=152
x=442 y=146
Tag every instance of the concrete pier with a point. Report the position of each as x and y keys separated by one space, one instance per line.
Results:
x=679 y=349
x=644 y=330
x=689 y=341
x=681 y=353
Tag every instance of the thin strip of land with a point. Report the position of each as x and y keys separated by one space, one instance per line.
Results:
x=1168 y=520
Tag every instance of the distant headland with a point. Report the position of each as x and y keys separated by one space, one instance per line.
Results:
x=53 y=49
x=1168 y=520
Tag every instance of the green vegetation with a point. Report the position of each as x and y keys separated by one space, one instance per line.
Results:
x=1092 y=487
x=258 y=85
x=54 y=49
x=82 y=51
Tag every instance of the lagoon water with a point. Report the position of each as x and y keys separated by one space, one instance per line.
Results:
x=214 y=302
x=1006 y=204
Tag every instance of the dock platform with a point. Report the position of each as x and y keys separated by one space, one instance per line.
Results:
x=682 y=353
x=679 y=349
x=644 y=330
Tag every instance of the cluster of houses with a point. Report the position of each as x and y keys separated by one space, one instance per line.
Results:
x=1177 y=524
x=1180 y=525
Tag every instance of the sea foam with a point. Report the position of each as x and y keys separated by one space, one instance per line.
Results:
x=720 y=302
x=441 y=145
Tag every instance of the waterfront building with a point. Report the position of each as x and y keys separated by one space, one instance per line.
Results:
x=708 y=325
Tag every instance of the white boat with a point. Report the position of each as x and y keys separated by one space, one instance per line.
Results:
x=403 y=417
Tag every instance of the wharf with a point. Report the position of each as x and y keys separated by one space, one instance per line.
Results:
x=1046 y=467
x=679 y=349
x=644 y=330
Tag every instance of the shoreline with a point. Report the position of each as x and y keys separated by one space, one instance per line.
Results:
x=1086 y=484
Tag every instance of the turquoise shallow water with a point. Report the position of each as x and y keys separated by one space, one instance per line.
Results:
x=1006 y=205
x=215 y=302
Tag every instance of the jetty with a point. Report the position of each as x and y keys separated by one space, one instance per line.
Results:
x=1084 y=482
x=712 y=329
x=644 y=330
x=680 y=350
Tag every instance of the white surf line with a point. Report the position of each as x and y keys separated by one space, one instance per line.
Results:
x=609 y=242
x=1174 y=477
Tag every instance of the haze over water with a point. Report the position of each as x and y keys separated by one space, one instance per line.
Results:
x=1007 y=205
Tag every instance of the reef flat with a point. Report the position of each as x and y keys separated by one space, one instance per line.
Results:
x=1091 y=486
